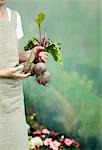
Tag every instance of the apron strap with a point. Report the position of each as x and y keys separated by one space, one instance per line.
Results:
x=14 y=18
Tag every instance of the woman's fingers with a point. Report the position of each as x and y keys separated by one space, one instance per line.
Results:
x=17 y=72
x=18 y=68
x=44 y=56
x=22 y=76
x=44 y=59
x=38 y=48
x=43 y=53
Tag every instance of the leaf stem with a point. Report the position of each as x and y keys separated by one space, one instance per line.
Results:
x=39 y=31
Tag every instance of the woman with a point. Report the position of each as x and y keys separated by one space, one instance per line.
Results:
x=13 y=132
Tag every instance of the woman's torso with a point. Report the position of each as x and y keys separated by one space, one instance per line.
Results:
x=10 y=89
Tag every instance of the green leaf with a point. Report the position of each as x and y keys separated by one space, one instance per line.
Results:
x=41 y=17
x=32 y=57
x=31 y=44
x=54 y=49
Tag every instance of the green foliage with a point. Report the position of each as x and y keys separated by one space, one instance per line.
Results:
x=55 y=50
x=51 y=47
x=30 y=44
x=30 y=119
x=40 y=18
x=39 y=21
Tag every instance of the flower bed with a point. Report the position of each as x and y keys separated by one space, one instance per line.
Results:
x=44 y=139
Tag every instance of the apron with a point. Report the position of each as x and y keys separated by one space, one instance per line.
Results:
x=13 y=130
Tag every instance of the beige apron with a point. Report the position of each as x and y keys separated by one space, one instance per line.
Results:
x=13 y=131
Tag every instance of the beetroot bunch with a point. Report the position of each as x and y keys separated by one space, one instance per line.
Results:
x=40 y=69
x=37 y=68
x=42 y=75
x=35 y=64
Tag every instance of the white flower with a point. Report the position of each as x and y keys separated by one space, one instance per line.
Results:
x=62 y=137
x=36 y=141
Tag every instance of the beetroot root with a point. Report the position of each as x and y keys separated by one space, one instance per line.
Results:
x=43 y=78
x=40 y=68
x=46 y=78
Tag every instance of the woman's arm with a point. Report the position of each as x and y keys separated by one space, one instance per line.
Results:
x=24 y=56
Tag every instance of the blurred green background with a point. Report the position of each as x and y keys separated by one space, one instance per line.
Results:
x=72 y=101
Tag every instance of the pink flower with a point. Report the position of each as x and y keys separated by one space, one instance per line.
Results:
x=38 y=132
x=53 y=133
x=45 y=131
x=54 y=145
x=61 y=140
x=68 y=141
x=76 y=144
x=47 y=141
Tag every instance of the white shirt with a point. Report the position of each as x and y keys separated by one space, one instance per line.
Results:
x=19 y=29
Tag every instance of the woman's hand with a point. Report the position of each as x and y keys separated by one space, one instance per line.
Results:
x=14 y=73
x=42 y=54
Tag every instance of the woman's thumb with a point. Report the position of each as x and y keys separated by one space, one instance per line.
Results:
x=18 y=68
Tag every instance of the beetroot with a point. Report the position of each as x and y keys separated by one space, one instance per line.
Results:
x=43 y=78
x=46 y=78
x=40 y=68
x=39 y=78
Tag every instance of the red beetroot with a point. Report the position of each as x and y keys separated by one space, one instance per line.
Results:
x=40 y=68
